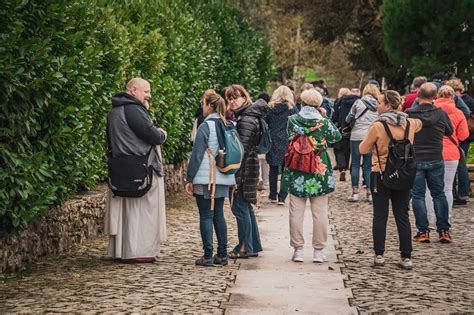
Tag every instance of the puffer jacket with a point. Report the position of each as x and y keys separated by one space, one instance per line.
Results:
x=460 y=131
x=248 y=127
x=362 y=122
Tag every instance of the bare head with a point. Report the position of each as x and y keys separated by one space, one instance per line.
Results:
x=343 y=92
x=355 y=91
x=306 y=86
x=427 y=92
x=457 y=85
x=418 y=81
x=282 y=95
x=389 y=100
x=140 y=89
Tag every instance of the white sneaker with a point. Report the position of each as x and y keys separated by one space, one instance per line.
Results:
x=281 y=203
x=353 y=198
x=298 y=255
x=369 y=198
x=318 y=256
x=379 y=260
x=406 y=264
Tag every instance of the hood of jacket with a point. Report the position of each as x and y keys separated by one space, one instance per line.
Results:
x=125 y=99
x=428 y=113
x=394 y=117
x=308 y=116
x=370 y=102
x=258 y=109
x=447 y=104
x=279 y=108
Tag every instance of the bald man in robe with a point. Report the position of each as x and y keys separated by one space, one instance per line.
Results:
x=135 y=225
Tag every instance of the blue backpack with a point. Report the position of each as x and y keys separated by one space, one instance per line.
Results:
x=231 y=150
x=265 y=143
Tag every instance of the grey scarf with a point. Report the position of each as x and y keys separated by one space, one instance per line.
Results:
x=394 y=117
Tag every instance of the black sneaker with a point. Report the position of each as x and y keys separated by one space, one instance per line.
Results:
x=206 y=262
x=223 y=261
x=459 y=202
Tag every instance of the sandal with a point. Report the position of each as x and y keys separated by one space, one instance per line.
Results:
x=234 y=255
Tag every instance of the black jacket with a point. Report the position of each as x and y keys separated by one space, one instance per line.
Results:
x=130 y=129
x=470 y=103
x=277 y=119
x=248 y=127
x=428 y=141
x=342 y=107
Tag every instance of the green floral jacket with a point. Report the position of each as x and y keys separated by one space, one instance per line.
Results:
x=322 y=181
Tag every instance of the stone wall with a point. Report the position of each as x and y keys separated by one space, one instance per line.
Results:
x=64 y=226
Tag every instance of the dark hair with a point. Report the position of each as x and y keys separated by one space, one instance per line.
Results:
x=264 y=96
x=418 y=81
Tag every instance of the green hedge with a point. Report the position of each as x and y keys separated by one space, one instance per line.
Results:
x=61 y=61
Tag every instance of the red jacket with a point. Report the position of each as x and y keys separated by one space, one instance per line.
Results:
x=458 y=120
x=409 y=99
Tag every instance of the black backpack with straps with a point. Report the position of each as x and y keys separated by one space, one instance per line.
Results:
x=400 y=170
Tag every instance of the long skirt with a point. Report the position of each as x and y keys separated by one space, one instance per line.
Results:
x=133 y=224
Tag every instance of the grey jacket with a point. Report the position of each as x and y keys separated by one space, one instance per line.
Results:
x=130 y=130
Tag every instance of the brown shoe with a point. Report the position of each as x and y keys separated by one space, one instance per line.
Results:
x=445 y=237
x=342 y=176
x=422 y=237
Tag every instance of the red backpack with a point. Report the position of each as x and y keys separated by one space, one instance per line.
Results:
x=301 y=156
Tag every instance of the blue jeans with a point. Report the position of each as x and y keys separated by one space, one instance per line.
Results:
x=430 y=173
x=247 y=228
x=462 y=191
x=355 y=165
x=209 y=218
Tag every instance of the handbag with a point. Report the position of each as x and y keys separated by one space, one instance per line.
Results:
x=462 y=158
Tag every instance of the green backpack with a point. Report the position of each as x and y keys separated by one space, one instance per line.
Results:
x=231 y=150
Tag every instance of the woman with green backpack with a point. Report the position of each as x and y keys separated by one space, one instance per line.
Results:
x=208 y=185
x=308 y=173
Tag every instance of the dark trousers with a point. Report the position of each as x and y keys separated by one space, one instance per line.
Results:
x=212 y=218
x=462 y=189
x=273 y=182
x=342 y=152
x=400 y=201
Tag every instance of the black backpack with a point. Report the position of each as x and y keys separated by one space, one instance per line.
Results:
x=400 y=170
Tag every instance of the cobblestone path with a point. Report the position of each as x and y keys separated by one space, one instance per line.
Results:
x=84 y=281
x=443 y=276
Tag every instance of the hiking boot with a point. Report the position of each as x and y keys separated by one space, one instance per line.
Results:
x=459 y=202
x=379 y=260
x=353 y=198
x=318 y=256
x=422 y=237
x=342 y=176
x=223 y=261
x=206 y=262
x=297 y=255
x=406 y=264
x=445 y=237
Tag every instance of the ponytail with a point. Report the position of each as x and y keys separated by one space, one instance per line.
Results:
x=216 y=101
x=392 y=98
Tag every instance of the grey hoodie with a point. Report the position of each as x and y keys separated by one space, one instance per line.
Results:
x=362 y=123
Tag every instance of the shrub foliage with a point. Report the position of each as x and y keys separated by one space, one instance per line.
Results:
x=61 y=61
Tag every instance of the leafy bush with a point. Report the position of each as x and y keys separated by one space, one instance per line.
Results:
x=61 y=61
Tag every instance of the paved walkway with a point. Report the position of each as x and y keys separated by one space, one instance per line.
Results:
x=273 y=284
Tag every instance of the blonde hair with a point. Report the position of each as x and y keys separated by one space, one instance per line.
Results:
x=306 y=86
x=343 y=92
x=236 y=90
x=371 y=89
x=312 y=98
x=282 y=95
x=216 y=101
x=446 y=92
x=456 y=84
x=392 y=98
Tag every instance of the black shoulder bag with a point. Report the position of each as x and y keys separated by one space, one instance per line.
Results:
x=129 y=176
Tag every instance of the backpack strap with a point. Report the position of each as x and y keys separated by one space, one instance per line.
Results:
x=407 y=130
x=220 y=130
x=387 y=130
